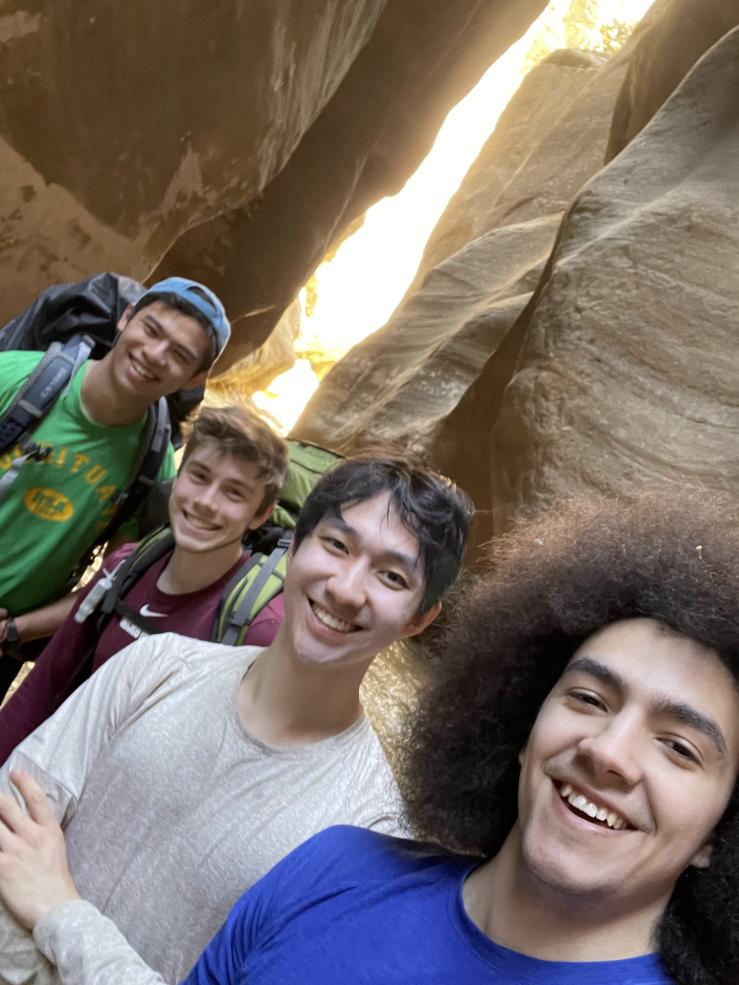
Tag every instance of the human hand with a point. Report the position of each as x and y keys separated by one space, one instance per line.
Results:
x=34 y=874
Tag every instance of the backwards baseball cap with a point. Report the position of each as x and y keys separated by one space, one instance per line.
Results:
x=201 y=298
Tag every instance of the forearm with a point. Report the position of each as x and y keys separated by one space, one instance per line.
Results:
x=44 y=621
x=87 y=948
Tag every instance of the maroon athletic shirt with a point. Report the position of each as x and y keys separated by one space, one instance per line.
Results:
x=192 y=614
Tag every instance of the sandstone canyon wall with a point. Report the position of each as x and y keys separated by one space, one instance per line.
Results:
x=232 y=141
x=574 y=327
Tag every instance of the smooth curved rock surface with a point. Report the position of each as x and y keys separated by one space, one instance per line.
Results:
x=122 y=126
x=677 y=35
x=263 y=128
x=368 y=140
x=535 y=111
x=630 y=354
x=401 y=383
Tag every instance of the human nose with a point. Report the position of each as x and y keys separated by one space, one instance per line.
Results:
x=157 y=351
x=206 y=496
x=346 y=585
x=614 y=751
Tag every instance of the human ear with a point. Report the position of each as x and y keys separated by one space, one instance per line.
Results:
x=702 y=858
x=258 y=519
x=420 y=621
x=125 y=318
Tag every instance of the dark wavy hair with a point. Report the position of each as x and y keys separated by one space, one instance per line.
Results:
x=429 y=505
x=546 y=586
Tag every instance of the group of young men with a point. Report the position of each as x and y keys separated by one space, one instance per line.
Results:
x=564 y=804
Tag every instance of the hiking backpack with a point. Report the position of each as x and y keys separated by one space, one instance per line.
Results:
x=72 y=323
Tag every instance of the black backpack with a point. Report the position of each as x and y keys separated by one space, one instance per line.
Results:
x=72 y=323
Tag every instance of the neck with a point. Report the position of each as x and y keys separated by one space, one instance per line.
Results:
x=102 y=400
x=512 y=907
x=187 y=571
x=285 y=702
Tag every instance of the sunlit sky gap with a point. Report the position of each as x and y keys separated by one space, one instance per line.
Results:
x=360 y=287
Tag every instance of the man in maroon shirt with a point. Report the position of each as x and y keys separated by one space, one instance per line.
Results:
x=232 y=470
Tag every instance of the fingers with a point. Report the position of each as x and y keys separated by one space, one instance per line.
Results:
x=11 y=815
x=39 y=808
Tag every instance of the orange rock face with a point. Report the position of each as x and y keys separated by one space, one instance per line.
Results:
x=573 y=329
x=230 y=141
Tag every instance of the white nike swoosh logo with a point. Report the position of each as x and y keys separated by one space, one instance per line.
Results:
x=146 y=611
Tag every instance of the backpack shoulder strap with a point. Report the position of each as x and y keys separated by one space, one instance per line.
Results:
x=39 y=392
x=122 y=579
x=254 y=585
x=153 y=547
x=150 y=454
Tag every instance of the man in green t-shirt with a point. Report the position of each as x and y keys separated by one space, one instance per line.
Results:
x=56 y=508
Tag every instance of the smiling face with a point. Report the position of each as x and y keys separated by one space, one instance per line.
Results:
x=354 y=586
x=629 y=766
x=158 y=351
x=215 y=499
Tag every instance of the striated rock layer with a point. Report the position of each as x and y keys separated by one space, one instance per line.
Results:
x=628 y=367
x=401 y=383
x=231 y=141
x=608 y=362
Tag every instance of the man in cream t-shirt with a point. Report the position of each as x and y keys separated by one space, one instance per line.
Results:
x=182 y=770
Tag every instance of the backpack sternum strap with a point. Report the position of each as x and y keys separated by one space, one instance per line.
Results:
x=253 y=587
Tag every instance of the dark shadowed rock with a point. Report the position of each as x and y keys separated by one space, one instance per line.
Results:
x=375 y=131
x=264 y=128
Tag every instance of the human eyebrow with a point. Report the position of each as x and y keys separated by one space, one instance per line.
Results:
x=685 y=714
x=607 y=676
x=663 y=705
x=184 y=350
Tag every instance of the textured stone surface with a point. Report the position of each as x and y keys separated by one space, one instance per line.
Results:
x=420 y=60
x=400 y=384
x=256 y=371
x=679 y=32
x=535 y=112
x=630 y=355
x=232 y=141
x=619 y=369
x=122 y=126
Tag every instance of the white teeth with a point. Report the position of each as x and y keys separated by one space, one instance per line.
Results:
x=340 y=625
x=581 y=803
x=198 y=524
x=142 y=372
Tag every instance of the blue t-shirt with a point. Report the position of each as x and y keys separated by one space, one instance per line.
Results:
x=351 y=907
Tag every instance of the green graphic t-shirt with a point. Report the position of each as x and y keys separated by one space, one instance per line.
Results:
x=54 y=509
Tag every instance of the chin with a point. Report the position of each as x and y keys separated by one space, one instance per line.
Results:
x=568 y=876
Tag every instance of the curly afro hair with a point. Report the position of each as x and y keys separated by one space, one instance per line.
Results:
x=545 y=587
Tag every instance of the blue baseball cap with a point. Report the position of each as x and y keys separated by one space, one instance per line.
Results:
x=202 y=298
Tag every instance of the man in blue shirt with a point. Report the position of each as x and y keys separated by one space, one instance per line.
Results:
x=577 y=747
